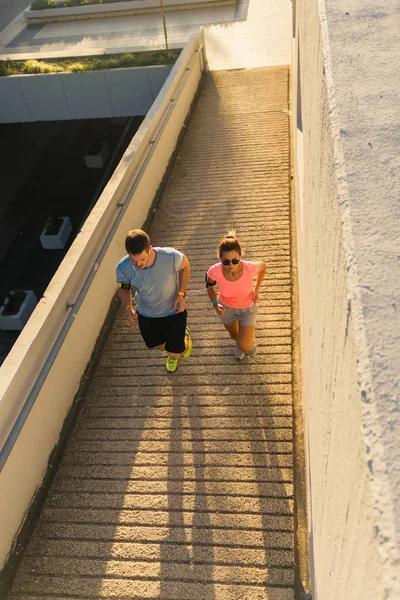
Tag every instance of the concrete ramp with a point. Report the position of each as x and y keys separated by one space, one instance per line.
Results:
x=179 y=487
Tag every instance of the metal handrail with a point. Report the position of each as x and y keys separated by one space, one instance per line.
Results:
x=30 y=401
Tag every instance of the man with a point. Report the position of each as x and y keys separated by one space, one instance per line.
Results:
x=158 y=277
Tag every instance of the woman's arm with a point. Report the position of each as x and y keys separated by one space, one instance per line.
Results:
x=212 y=294
x=260 y=277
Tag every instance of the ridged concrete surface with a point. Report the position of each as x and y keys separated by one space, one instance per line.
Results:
x=179 y=486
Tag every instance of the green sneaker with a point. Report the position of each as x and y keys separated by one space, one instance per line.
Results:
x=188 y=350
x=172 y=364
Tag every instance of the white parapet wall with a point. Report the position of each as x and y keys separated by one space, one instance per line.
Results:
x=25 y=466
x=349 y=281
x=111 y=93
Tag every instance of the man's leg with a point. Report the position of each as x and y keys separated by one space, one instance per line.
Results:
x=178 y=341
x=188 y=344
x=187 y=347
x=152 y=331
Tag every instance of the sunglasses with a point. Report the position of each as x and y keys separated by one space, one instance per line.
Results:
x=234 y=261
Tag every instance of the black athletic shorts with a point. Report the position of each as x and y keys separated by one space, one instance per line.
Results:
x=164 y=330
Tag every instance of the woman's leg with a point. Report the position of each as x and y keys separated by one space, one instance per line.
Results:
x=233 y=329
x=245 y=338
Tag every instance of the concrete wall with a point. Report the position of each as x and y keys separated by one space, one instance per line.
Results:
x=262 y=39
x=347 y=225
x=26 y=465
x=92 y=94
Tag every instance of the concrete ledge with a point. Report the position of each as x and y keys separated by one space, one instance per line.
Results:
x=135 y=7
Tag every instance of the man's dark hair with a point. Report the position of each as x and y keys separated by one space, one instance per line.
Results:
x=137 y=241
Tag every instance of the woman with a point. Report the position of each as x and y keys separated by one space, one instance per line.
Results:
x=236 y=301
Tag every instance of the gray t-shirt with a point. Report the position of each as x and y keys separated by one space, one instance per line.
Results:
x=156 y=286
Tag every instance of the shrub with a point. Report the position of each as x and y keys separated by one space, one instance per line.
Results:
x=13 y=302
x=32 y=66
x=126 y=60
x=53 y=225
x=75 y=67
x=4 y=70
x=95 y=148
x=39 y=4
x=42 y=4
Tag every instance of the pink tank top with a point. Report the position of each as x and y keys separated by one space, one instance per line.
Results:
x=237 y=294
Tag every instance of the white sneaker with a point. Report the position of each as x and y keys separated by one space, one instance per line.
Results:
x=253 y=350
x=238 y=354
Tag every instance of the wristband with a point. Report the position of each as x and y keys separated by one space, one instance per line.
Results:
x=183 y=294
x=130 y=306
x=214 y=302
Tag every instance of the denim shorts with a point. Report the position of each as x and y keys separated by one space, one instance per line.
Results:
x=245 y=316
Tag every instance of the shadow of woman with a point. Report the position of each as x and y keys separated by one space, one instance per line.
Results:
x=273 y=462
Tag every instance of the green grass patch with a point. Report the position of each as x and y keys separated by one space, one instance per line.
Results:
x=41 y=4
x=88 y=63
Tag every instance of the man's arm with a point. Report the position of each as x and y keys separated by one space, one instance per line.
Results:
x=125 y=296
x=126 y=300
x=184 y=275
x=180 y=302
